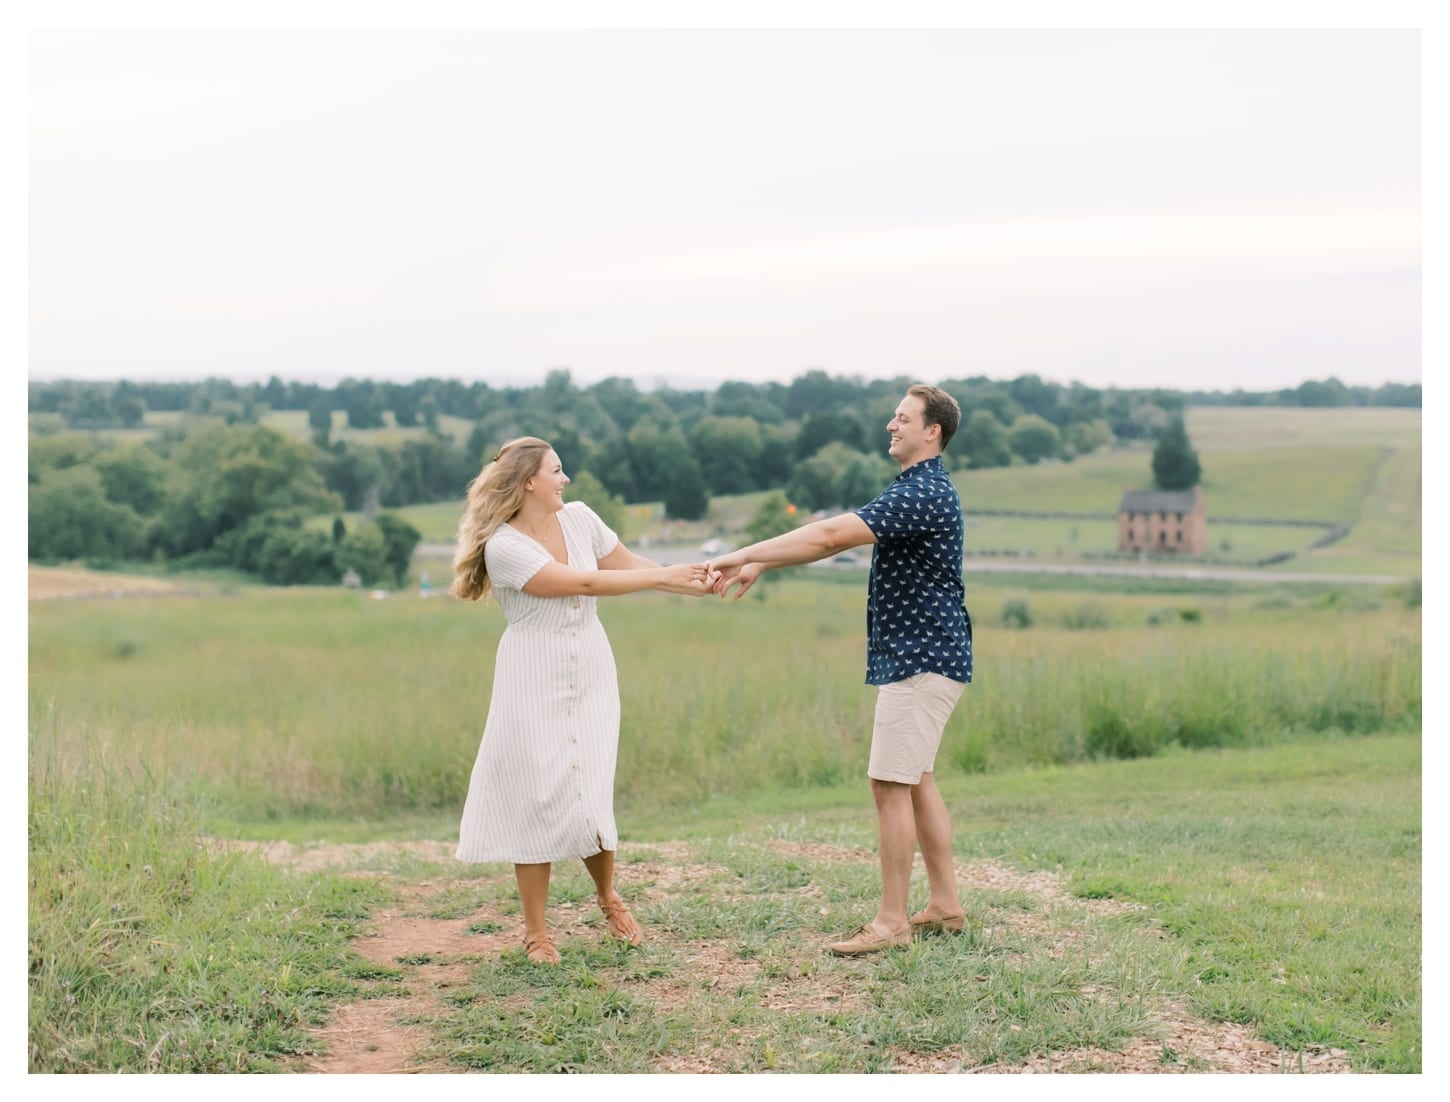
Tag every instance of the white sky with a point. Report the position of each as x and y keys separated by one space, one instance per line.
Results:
x=1181 y=208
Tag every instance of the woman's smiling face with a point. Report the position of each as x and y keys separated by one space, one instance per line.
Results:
x=547 y=485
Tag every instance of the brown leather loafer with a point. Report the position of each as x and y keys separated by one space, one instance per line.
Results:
x=865 y=940
x=924 y=923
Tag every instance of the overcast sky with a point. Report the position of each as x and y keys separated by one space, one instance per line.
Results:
x=1192 y=209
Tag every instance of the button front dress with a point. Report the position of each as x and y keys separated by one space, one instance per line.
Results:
x=542 y=788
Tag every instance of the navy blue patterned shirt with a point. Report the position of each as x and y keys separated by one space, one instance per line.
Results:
x=916 y=615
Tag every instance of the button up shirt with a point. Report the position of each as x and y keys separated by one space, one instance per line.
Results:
x=916 y=616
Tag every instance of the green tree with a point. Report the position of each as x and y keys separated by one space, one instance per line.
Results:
x=685 y=495
x=774 y=465
x=299 y=556
x=771 y=518
x=864 y=478
x=1175 y=463
x=399 y=540
x=983 y=442
x=89 y=406
x=1147 y=419
x=655 y=457
x=814 y=484
x=221 y=475
x=363 y=402
x=133 y=475
x=365 y=549
x=727 y=449
x=587 y=488
x=50 y=451
x=1085 y=437
x=319 y=420
x=1034 y=438
x=70 y=518
x=127 y=407
x=819 y=429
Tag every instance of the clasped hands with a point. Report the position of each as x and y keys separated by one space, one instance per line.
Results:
x=718 y=575
x=732 y=570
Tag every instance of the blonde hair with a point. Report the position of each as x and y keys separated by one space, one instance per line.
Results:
x=496 y=494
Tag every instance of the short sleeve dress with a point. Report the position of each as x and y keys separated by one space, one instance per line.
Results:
x=542 y=788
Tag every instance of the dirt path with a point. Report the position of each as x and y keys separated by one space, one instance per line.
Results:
x=384 y=1035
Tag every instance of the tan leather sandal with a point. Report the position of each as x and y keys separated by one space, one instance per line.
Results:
x=620 y=921
x=540 y=948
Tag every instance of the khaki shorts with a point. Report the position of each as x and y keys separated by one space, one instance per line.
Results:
x=910 y=718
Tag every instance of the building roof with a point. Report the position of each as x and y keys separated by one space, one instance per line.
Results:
x=1158 y=501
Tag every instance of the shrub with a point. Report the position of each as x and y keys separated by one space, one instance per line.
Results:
x=1411 y=593
x=1088 y=616
x=1016 y=614
x=1110 y=733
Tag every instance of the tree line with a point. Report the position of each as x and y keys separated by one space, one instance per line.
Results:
x=218 y=486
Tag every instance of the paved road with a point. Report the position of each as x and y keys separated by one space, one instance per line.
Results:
x=692 y=553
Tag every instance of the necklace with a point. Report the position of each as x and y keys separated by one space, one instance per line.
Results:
x=553 y=531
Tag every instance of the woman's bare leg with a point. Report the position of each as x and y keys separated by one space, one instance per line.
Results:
x=621 y=923
x=534 y=895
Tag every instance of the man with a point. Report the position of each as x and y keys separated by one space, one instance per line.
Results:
x=918 y=651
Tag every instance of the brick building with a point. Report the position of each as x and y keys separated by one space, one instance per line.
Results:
x=1163 y=522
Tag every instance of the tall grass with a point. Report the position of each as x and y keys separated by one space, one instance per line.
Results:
x=148 y=952
x=301 y=703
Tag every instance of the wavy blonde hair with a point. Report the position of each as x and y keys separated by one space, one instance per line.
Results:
x=493 y=497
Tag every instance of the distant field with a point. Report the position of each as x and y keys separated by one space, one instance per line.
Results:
x=1234 y=428
x=293 y=422
x=1353 y=466
x=1068 y=539
x=1318 y=483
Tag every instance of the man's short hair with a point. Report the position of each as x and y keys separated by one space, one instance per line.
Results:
x=941 y=409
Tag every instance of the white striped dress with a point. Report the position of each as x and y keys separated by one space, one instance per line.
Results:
x=543 y=785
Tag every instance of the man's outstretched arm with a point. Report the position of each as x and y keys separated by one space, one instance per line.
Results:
x=807 y=543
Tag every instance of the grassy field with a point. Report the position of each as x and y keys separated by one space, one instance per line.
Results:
x=1247 y=910
x=375 y=704
x=1252 y=865
x=1188 y=814
x=1249 y=428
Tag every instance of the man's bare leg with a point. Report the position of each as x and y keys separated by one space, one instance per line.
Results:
x=934 y=834
x=896 y=830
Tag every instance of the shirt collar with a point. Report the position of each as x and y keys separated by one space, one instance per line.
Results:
x=921 y=466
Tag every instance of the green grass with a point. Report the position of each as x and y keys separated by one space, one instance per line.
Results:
x=1285 y=871
x=1276 y=888
x=1321 y=483
x=1251 y=428
x=1287 y=879
x=1050 y=540
x=377 y=706
x=150 y=952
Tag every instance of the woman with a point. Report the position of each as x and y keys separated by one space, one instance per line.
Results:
x=543 y=785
